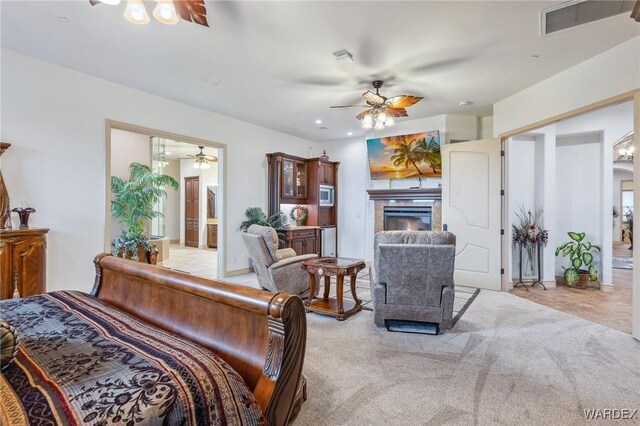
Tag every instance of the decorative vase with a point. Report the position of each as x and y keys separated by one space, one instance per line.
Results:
x=23 y=214
x=5 y=210
x=530 y=262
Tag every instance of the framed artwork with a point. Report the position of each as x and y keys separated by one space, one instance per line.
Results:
x=413 y=155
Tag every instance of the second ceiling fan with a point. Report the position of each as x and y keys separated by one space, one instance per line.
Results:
x=380 y=109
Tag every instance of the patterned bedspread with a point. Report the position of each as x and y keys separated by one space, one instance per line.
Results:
x=82 y=362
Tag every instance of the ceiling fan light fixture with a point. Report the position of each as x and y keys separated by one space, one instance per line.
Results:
x=390 y=122
x=368 y=119
x=379 y=125
x=382 y=117
x=165 y=12
x=136 y=12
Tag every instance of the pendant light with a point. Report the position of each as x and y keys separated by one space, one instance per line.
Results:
x=165 y=12
x=136 y=12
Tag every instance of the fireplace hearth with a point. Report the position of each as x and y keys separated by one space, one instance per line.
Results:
x=407 y=218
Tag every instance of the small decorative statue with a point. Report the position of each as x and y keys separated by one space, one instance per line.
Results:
x=324 y=155
x=23 y=214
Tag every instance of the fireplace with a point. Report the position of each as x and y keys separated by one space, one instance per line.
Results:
x=407 y=218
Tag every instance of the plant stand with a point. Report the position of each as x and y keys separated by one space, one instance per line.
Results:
x=539 y=281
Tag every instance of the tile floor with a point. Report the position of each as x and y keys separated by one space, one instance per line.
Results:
x=202 y=262
x=611 y=306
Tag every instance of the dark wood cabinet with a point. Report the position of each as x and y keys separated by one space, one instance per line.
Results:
x=191 y=211
x=293 y=180
x=304 y=241
x=23 y=262
x=212 y=235
x=297 y=180
x=326 y=174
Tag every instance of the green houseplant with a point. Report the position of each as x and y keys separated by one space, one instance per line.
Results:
x=580 y=254
x=133 y=203
x=278 y=221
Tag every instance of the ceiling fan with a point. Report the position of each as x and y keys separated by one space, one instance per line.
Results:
x=380 y=109
x=202 y=161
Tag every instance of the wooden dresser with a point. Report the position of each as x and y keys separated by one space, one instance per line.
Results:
x=23 y=262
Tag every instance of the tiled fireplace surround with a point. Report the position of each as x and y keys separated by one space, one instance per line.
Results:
x=406 y=197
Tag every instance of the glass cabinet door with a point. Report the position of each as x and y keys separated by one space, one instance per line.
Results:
x=288 y=189
x=301 y=180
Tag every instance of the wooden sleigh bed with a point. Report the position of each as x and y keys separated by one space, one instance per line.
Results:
x=260 y=335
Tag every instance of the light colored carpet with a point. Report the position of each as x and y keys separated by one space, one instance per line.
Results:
x=622 y=262
x=507 y=361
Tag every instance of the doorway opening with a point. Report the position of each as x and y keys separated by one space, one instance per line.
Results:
x=575 y=173
x=187 y=232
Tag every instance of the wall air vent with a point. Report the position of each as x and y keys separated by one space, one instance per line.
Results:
x=580 y=12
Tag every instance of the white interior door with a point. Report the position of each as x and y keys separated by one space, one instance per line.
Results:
x=471 y=209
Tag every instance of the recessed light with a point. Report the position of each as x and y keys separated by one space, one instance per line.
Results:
x=318 y=121
x=349 y=133
x=534 y=56
x=63 y=19
x=465 y=103
x=213 y=81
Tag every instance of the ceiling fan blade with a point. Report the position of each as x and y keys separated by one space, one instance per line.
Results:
x=397 y=112
x=373 y=98
x=193 y=11
x=210 y=158
x=403 y=101
x=635 y=13
x=349 y=106
x=362 y=114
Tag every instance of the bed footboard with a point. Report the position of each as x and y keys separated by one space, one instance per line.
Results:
x=260 y=334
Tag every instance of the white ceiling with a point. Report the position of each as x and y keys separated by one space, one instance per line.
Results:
x=181 y=150
x=274 y=62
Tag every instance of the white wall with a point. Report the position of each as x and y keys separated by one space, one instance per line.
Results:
x=485 y=127
x=172 y=203
x=522 y=161
x=619 y=175
x=573 y=181
x=127 y=148
x=579 y=193
x=356 y=212
x=55 y=119
x=611 y=73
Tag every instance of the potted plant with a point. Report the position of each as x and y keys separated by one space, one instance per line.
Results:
x=133 y=204
x=299 y=214
x=580 y=253
x=278 y=221
x=628 y=217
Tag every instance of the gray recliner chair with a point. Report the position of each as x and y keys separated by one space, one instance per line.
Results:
x=412 y=277
x=277 y=269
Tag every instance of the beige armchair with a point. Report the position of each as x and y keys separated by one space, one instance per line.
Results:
x=412 y=277
x=277 y=269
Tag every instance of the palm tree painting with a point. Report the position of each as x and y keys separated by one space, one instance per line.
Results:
x=405 y=156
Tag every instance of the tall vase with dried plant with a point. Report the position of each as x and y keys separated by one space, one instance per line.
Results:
x=5 y=211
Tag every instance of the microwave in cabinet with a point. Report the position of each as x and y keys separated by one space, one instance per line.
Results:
x=326 y=195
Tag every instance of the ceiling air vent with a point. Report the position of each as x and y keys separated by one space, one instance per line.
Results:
x=574 y=13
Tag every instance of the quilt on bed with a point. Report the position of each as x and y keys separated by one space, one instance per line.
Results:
x=83 y=362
